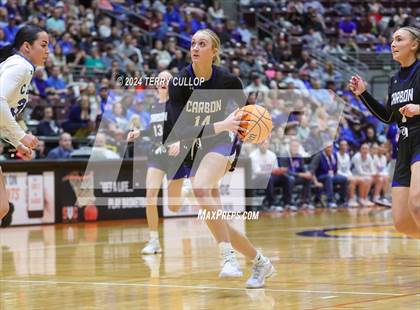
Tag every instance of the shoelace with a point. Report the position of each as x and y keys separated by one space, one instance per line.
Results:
x=256 y=272
x=228 y=257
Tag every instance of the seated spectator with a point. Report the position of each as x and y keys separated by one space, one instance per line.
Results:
x=256 y=85
x=94 y=61
x=117 y=121
x=55 y=23
x=347 y=28
x=381 y=176
x=215 y=11
x=370 y=138
x=79 y=122
x=139 y=109
x=11 y=29
x=178 y=61
x=58 y=86
x=48 y=126
x=40 y=85
x=3 y=41
x=383 y=46
x=162 y=56
x=93 y=101
x=363 y=168
x=324 y=168
x=40 y=150
x=57 y=57
x=267 y=174
x=100 y=150
x=344 y=169
x=64 y=148
x=298 y=175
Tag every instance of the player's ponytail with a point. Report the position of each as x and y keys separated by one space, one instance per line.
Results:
x=415 y=35
x=215 y=41
x=28 y=33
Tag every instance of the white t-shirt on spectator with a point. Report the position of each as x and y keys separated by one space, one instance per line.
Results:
x=363 y=167
x=263 y=163
x=380 y=163
x=344 y=165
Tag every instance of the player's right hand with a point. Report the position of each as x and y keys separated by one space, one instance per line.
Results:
x=357 y=85
x=233 y=122
x=29 y=141
x=133 y=135
x=25 y=152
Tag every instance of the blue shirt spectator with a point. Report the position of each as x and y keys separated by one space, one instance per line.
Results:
x=64 y=148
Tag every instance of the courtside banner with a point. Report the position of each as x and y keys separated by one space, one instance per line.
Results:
x=97 y=195
x=33 y=196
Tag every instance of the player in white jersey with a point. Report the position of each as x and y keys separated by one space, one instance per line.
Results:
x=17 y=65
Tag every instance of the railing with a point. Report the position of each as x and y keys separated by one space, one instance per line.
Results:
x=346 y=64
x=376 y=61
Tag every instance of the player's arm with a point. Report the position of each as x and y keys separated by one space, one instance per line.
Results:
x=380 y=111
x=383 y=113
x=137 y=133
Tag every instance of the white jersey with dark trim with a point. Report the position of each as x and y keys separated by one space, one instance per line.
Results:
x=15 y=77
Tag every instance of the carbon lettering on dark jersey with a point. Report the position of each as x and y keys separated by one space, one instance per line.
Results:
x=404 y=96
x=204 y=106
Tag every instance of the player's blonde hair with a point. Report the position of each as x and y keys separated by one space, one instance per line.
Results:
x=415 y=35
x=215 y=42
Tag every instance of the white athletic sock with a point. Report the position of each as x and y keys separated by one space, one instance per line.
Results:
x=154 y=235
x=225 y=247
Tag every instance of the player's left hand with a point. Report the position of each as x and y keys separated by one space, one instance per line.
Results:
x=173 y=149
x=410 y=110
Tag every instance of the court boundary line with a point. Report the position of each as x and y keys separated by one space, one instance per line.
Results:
x=194 y=287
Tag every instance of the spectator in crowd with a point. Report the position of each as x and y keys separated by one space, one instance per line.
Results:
x=56 y=84
x=383 y=46
x=3 y=41
x=40 y=150
x=100 y=150
x=117 y=121
x=298 y=174
x=57 y=57
x=267 y=174
x=256 y=85
x=178 y=61
x=344 y=169
x=11 y=28
x=55 y=24
x=363 y=167
x=380 y=177
x=79 y=120
x=347 y=28
x=324 y=168
x=48 y=126
x=64 y=148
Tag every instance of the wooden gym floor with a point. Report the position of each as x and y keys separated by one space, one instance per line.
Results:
x=348 y=259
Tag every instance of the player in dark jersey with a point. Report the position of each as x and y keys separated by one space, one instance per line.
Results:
x=159 y=164
x=403 y=107
x=199 y=112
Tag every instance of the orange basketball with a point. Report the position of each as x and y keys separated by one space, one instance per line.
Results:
x=259 y=126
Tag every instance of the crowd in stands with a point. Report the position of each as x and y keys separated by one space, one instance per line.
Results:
x=93 y=47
